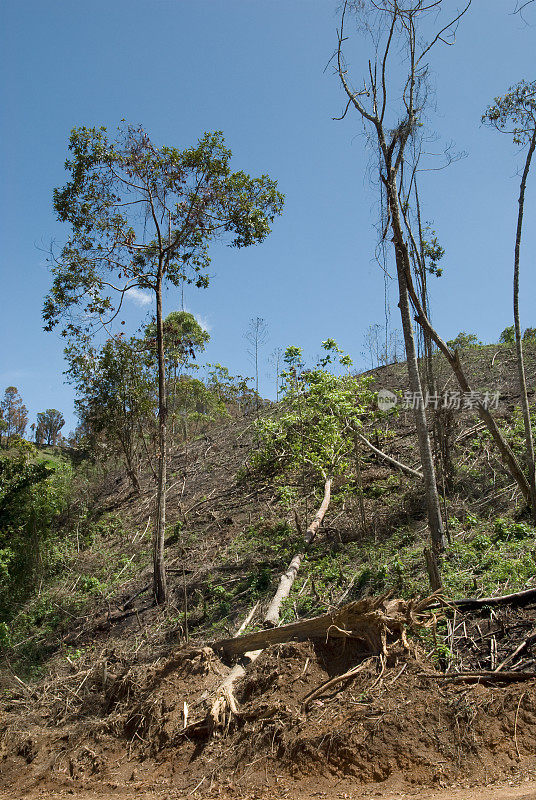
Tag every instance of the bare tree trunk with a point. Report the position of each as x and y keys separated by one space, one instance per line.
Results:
x=425 y=449
x=529 y=443
x=402 y=467
x=357 y=451
x=147 y=453
x=287 y=579
x=159 y=570
x=432 y=497
x=506 y=452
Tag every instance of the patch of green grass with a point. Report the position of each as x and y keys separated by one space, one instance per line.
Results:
x=497 y=557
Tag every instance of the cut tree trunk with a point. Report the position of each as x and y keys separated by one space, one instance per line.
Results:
x=370 y=620
x=287 y=579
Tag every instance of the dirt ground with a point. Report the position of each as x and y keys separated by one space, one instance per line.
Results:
x=394 y=729
x=526 y=790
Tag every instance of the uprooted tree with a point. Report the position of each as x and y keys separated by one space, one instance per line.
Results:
x=143 y=217
x=315 y=434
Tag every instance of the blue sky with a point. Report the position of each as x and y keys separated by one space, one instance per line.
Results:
x=255 y=69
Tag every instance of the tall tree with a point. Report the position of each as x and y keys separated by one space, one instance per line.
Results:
x=391 y=100
x=49 y=425
x=144 y=216
x=14 y=414
x=515 y=114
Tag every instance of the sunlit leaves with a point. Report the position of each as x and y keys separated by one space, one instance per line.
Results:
x=515 y=112
x=322 y=411
x=140 y=214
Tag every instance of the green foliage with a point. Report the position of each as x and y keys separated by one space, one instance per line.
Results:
x=138 y=211
x=515 y=431
x=13 y=416
x=33 y=494
x=494 y=556
x=230 y=389
x=463 y=341
x=49 y=425
x=508 y=336
x=116 y=395
x=184 y=339
x=515 y=112
x=432 y=252
x=322 y=410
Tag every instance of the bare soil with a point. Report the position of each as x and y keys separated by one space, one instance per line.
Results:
x=389 y=731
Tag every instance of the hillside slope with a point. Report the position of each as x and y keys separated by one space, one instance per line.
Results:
x=102 y=675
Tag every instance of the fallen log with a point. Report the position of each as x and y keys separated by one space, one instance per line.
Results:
x=370 y=620
x=516 y=598
x=402 y=467
x=287 y=579
x=224 y=704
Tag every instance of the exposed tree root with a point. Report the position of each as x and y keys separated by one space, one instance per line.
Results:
x=375 y=622
x=371 y=621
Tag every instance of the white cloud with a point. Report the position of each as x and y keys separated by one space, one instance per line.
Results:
x=139 y=297
x=203 y=321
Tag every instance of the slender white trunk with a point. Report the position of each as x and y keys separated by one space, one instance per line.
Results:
x=289 y=576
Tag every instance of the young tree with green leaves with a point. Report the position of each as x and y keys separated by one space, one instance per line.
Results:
x=184 y=339
x=231 y=390
x=515 y=114
x=463 y=341
x=144 y=216
x=33 y=493
x=116 y=395
x=316 y=432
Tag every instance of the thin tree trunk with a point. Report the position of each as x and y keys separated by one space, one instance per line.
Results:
x=357 y=451
x=506 y=452
x=529 y=443
x=147 y=453
x=427 y=461
x=132 y=472
x=402 y=467
x=287 y=579
x=159 y=570
x=432 y=497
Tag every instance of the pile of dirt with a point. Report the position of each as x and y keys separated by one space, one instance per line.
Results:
x=392 y=721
